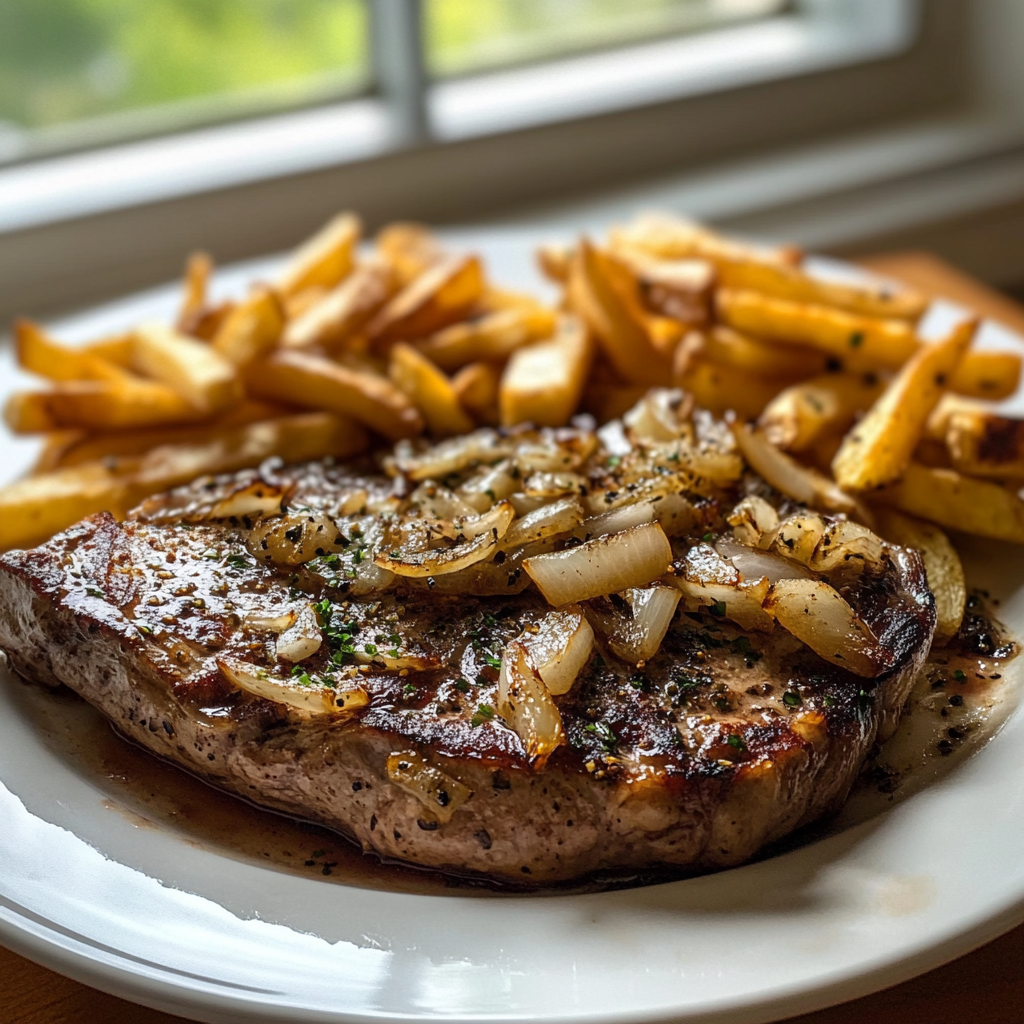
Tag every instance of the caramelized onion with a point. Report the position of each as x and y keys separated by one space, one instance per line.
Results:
x=302 y=639
x=256 y=500
x=560 y=647
x=752 y=563
x=434 y=500
x=555 y=520
x=846 y=544
x=327 y=699
x=606 y=565
x=658 y=416
x=451 y=456
x=798 y=536
x=440 y=793
x=526 y=705
x=635 y=632
x=619 y=519
x=754 y=522
x=494 y=484
x=707 y=580
x=294 y=538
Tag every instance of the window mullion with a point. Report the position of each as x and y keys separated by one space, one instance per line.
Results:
x=396 y=28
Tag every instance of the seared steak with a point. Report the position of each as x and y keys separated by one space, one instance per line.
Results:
x=723 y=741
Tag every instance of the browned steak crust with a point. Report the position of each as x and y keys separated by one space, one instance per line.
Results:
x=722 y=743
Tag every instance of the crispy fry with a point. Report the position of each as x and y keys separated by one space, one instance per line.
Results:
x=554 y=262
x=880 y=446
x=340 y=313
x=719 y=388
x=201 y=376
x=796 y=285
x=38 y=353
x=116 y=350
x=496 y=300
x=409 y=249
x=476 y=386
x=98 y=405
x=198 y=270
x=728 y=347
x=493 y=337
x=679 y=289
x=884 y=344
x=543 y=382
x=316 y=383
x=987 y=374
x=429 y=390
x=941 y=563
x=33 y=509
x=74 y=447
x=981 y=443
x=441 y=295
x=796 y=418
x=957 y=502
x=599 y=293
x=325 y=259
x=252 y=328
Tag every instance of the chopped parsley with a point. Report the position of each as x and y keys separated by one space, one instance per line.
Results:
x=736 y=742
x=718 y=609
x=792 y=699
x=484 y=713
x=94 y=592
x=239 y=562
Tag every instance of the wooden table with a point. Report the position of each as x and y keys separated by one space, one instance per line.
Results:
x=985 y=986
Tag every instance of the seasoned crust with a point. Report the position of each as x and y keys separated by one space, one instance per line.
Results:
x=721 y=744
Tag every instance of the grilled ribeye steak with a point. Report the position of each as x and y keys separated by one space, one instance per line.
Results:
x=722 y=741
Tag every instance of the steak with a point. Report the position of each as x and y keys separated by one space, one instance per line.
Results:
x=723 y=741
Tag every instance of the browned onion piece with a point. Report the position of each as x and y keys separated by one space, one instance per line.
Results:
x=526 y=705
x=752 y=563
x=619 y=519
x=294 y=538
x=602 y=566
x=317 y=700
x=439 y=502
x=451 y=456
x=494 y=484
x=440 y=793
x=707 y=580
x=819 y=616
x=659 y=416
x=302 y=639
x=554 y=520
x=635 y=634
x=754 y=522
x=847 y=545
x=560 y=647
x=798 y=536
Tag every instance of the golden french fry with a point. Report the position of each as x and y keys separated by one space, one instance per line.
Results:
x=409 y=249
x=957 y=502
x=252 y=328
x=324 y=260
x=719 y=388
x=823 y=406
x=340 y=313
x=443 y=294
x=34 y=509
x=476 y=386
x=880 y=446
x=675 y=238
x=75 y=447
x=492 y=337
x=497 y=300
x=98 y=405
x=554 y=261
x=728 y=347
x=678 y=289
x=116 y=350
x=200 y=375
x=598 y=293
x=796 y=285
x=543 y=382
x=941 y=563
x=314 y=382
x=429 y=390
x=295 y=438
x=198 y=270
x=38 y=353
x=881 y=344
x=987 y=374
x=981 y=443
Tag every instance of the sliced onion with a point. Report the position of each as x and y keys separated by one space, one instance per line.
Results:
x=787 y=476
x=439 y=502
x=819 y=616
x=606 y=565
x=440 y=793
x=301 y=640
x=555 y=520
x=706 y=580
x=613 y=438
x=294 y=538
x=480 y=538
x=677 y=515
x=636 y=632
x=658 y=416
x=354 y=502
x=560 y=647
x=619 y=519
x=555 y=451
x=753 y=563
x=553 y=485
x=526 y=705
x=494 y=484
x=451 y=456
x=255 y=500
x=754 y=522
x=798 y=536
x=332 y=699
x=846 y=544
x=524 y=504
x=412 y=662
x=271 y=622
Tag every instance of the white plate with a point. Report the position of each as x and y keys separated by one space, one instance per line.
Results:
x=147 y=914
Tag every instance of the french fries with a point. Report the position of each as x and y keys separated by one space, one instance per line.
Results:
x=316 y=383
x=727 y=347
x=409 y=249
x=985 y=374
x=197 y=281
x=38 y=353
x=720 y=389
x=200 y=375
x=324 y=260
x=476 y=387
x=493 y=337
x=443 y=294
x=986 y=445
x=596 y=293
x=251 y=329
x=543 y=382
x=941 y=562
x=796 y=418
x=957 y=502
x=429 y=390
x=879 y=448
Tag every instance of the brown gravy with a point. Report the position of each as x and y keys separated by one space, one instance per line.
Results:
x=953 y=709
